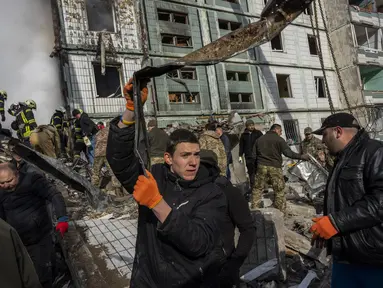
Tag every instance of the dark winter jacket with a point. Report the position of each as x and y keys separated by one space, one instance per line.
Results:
x=354 y=202
x=158 y=140
x=16 y=267
x=186 y=250
x=58 y=120
x=25 y=208
x=88 y=127
x=226 y=143
x=247 y=141
x=269 y=149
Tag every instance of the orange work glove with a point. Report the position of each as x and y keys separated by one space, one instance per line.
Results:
x=146 y=191
x=323 y=227
x=128 y=93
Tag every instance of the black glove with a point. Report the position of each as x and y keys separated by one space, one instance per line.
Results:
x=229 y=274
x=2 y=117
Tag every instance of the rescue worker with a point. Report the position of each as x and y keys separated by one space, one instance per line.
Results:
x=100 y=161
x=180 y=208
x=210 y=140
x=16 y=266
x=269 y=149
x=60 y=123
x=315 y=147
x=237 y=216
x=3 y=98
x=158 y=140
x=23 y=205
x=79 y=144
x=352 y=220
x=226 y=143
x=25 y=119
x=246 y=145
x=88 y=129
x=46 y=140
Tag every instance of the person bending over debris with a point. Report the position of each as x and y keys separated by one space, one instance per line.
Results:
x=210 y=140
x=353 y=208
x=269 y=149
x=237 y=216
x=23 y=205
x=46 y=140
x=158 y=139
x=16 y=266
x=180 y=208
x=100 y=161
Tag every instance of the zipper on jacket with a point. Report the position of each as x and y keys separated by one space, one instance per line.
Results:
x=178 y=186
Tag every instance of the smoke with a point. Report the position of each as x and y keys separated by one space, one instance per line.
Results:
x=26 y=70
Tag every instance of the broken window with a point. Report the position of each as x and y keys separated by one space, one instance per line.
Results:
x=184 y=73
x=108 y=85
x=312 y=44
x=237 y=76
x=319 y=87
x=276 y=43
x=291 y=128
x=228 y=25
x=188 y=73
x=284 y=86
x=100 y=15
x=240 y=97
x=186 y=98
x=176 y=40
x=170 y=16
x=366 y=37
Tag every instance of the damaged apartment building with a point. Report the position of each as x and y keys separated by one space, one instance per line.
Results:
x=282 y=78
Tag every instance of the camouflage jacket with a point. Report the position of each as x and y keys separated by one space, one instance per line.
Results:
x=210 y=140
x=101 y=142
x=313 y=146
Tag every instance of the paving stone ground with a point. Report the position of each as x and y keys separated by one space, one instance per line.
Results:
x=113 y=240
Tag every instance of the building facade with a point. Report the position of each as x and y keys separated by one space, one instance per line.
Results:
x=282 y=78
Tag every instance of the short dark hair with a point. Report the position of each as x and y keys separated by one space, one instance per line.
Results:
x=180 y=136
x=275 y=126
x=75 y=112
x=212 y=126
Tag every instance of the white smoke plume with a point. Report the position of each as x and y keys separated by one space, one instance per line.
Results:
x=26 y=70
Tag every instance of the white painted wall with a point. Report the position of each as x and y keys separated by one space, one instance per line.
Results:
x=26 y=71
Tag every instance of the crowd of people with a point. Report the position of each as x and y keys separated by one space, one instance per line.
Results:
x=188 y=206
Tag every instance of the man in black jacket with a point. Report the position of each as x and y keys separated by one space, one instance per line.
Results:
x=23 y=205
x=180 y=208
x=237 y=216
x=353 y=209
x=88 y=129
x=246 y=145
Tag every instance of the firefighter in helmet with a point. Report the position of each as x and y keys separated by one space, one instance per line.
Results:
x=25 y=119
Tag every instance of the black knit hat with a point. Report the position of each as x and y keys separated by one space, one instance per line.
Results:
x=344 y=120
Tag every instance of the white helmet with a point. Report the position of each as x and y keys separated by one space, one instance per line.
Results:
x=61 y=109
x=31 y=104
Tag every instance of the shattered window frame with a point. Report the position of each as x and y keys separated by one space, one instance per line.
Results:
x=97 y=74
x=89 y=16
x=275 y=41
x=173 y=16
x=176 y=40
x=240 y=97
x=236 y=75
x=228 y=25
x=180 y=73
x=291 y=129
x=183 y=97
x=313 y=44
x=285 y=78
x=367 y=43
x=320 y=87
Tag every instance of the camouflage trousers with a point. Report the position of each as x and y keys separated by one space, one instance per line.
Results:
x=275 y=176
x=97 y=166
x=156 y=160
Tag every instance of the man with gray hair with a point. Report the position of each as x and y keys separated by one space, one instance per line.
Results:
x=353 y=208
